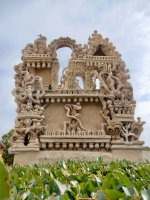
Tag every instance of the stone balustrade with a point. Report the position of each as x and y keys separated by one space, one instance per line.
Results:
x=87 y=134
x=76 y=145
x=102 y=58
x=79 y=140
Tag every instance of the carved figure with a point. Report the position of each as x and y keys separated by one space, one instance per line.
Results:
x=40 y=44
x=104 y=88
x=72 y=114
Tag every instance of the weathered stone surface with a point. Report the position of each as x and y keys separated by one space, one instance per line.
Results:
x=133 y=155
x=25 y=158
x=53 y=156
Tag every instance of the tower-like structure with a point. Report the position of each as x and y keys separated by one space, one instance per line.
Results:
x=62 y=120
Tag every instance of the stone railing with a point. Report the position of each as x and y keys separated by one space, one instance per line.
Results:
x=38 y=56
x=70 y=92
x=58 y=133
x=80 y=140
x=102 y=58
x=77 y=145
x=76 y=95
x=38 y=60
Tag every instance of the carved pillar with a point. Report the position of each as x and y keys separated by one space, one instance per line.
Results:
x=88 y=81
x=55 y=68
x=71 y=80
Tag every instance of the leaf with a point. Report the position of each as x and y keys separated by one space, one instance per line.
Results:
x=139 y=186
x=46 y=170
x=36 y=190
x=100 y=196
x=114 y=165
x=106 y=184
x=24 y=196
x=4 y=182
x=65 y=196
x=30 y=196
x=100 y=159
x=123 y=179
x=65 y=172
x=98 y=181
x=129 y=191
x=61 y=186
x=74 y=183
x=90 y=186
x=145 y=194
x=53 y=188
x=109 y=176
x=114 y=194
x=126 y=198
x=13 y=193
x=58 y=198
x=118 y=187
x=114 y=182
x=74 y=177
x=64 y=164
x=148 y=191
x=143 y=173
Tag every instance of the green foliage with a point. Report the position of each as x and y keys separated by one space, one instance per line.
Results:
x=8 y=159
x=4 y=182
x=69 y=180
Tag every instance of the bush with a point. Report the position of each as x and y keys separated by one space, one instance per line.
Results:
x=70 y=180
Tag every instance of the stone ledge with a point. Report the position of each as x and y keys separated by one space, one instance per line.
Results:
x=53 y=156
x=18 y=150
x=47 y=156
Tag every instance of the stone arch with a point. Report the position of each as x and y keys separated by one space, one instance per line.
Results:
x=62 y=42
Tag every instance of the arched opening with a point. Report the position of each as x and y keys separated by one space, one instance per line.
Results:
x=99 y=52
x=80 y=82
x=97 y=84
x=63 y=55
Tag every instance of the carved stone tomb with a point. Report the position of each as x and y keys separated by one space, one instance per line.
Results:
x=58 y=121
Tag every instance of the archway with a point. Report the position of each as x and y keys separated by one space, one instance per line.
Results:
x=80 y=82
x=63 y=55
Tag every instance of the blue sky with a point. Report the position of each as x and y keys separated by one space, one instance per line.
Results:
x=124 y=22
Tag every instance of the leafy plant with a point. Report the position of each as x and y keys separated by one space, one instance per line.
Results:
x=71 y=180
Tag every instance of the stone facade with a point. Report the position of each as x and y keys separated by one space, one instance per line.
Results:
x=62 y=120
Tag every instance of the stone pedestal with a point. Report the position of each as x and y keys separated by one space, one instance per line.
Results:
x=129 y=151
x=25 y=154
x=26 y=158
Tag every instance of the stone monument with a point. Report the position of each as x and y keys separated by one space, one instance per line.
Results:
x=57 y=121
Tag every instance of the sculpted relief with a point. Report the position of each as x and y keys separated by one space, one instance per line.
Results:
x=96 y=62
